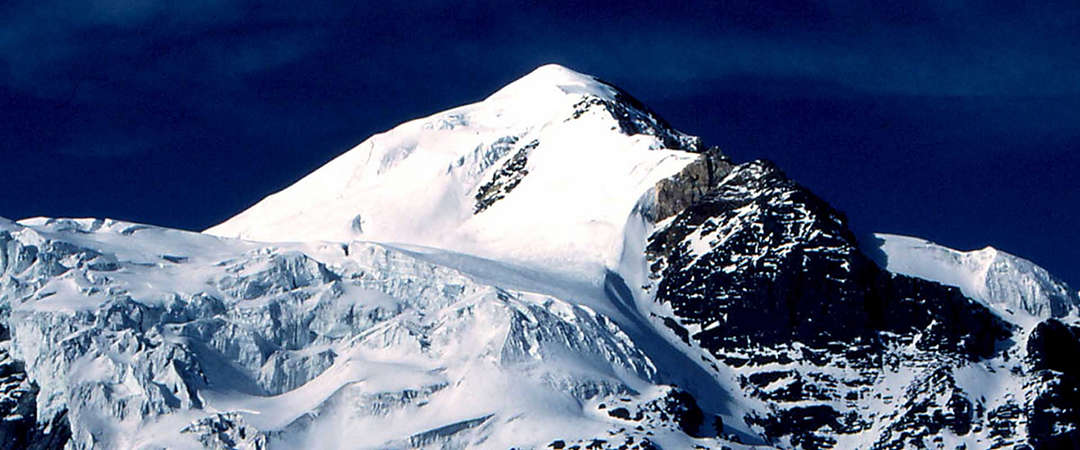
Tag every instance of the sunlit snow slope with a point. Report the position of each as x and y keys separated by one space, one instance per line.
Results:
x=1010 y=283
x=118 y=335
x=545 y=171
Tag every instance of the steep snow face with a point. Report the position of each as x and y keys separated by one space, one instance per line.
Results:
x=1009 y=284
x=543 y=172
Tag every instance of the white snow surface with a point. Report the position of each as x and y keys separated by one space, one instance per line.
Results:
x=1016 y=288
x=155 y=338
x=417 y=183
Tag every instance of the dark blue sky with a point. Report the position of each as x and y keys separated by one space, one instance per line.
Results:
x=952 y=120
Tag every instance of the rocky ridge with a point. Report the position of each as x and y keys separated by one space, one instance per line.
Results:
x=767 y=278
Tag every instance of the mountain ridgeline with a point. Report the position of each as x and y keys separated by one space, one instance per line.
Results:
x=555 y=267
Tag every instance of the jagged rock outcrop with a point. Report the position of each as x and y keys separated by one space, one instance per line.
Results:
x=634 y=118
x=693 y=183
x=770 y=260
x=226 y=432
x=505 y=179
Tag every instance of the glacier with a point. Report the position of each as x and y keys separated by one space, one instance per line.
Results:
x=141 y=337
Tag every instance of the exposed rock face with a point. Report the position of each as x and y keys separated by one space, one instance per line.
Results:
x=933 y=404
x=1054 y=410
x=693 y=183
x=505 y=179
x=771 y=261
x=768 y=279
x=227 y=432
x=641 y=418
x=634 y=117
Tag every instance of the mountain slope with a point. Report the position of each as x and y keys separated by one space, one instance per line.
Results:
x=767 y=278
x=553 y=267
x=575 y=152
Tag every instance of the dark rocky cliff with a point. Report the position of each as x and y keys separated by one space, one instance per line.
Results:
x=768 y=279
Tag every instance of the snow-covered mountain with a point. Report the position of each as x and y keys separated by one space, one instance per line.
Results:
x=553 y=267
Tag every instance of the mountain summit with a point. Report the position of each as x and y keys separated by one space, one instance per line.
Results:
x=546 y=169
x=554 y=267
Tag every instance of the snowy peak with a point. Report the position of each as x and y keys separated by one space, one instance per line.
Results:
x=553 y=83
x=553 y=80
x=549 y=168
x=1007 y=283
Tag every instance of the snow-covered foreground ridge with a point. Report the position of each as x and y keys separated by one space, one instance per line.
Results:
x=138 y=337
x=1013 y=284
x=553 y=267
